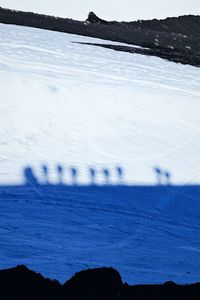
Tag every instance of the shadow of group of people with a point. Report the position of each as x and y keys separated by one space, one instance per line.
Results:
x=31 y=179
x=162 y=177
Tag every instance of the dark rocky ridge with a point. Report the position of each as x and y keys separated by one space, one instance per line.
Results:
x=99 y=284
x=175 y=39
x=171 y=55
x=93 y=19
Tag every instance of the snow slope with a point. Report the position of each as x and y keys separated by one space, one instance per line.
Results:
x=127 y=10
x=79 y=106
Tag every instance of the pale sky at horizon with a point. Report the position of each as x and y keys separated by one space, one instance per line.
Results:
x=126 y=10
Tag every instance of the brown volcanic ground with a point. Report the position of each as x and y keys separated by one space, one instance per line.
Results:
x=175 y=39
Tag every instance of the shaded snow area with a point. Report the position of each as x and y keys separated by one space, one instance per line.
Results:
x=99 y=159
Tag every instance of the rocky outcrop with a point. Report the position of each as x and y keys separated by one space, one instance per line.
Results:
x=22 y=283
x=99 y=284
x=93 y=19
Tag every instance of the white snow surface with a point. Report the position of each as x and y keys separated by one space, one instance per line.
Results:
x=80 y=106
x=126 y=10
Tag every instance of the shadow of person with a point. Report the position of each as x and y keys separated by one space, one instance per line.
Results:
x=168 y=178
x=46 y=175
x=29 y=177
x=92 y=173
x=106 y=174
x=60 y=173
x=74 y=175
x=158 y=175
x=120 y=174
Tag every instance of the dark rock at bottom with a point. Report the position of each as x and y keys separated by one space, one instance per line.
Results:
x=101 y=283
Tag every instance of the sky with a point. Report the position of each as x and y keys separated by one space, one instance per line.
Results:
x=127 y=10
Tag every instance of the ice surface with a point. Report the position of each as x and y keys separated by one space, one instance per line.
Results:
x=82 y=107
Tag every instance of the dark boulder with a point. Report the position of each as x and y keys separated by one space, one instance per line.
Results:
x=99 y=283
x=22 y=283
x=92 y=18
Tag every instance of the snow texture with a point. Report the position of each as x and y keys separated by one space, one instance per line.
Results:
x=99 y=159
